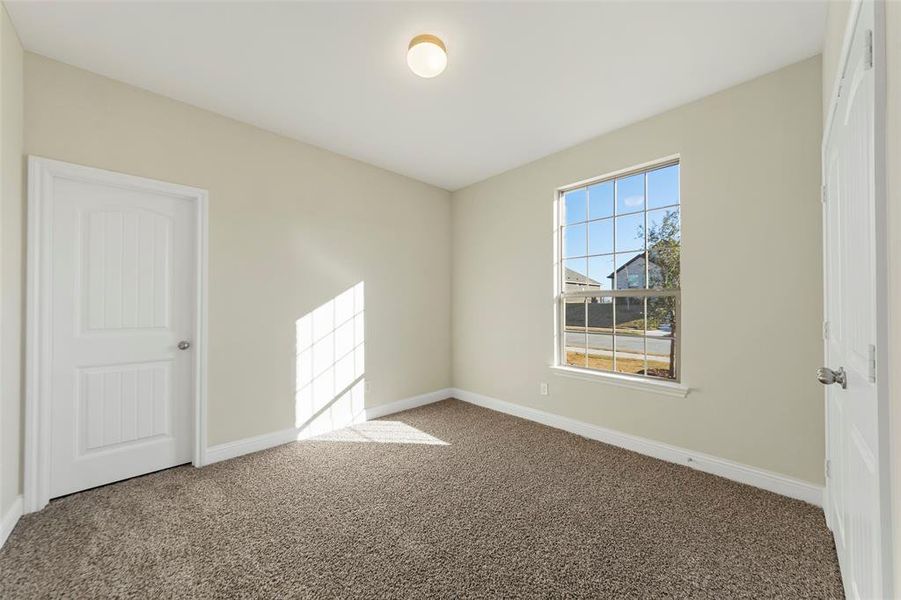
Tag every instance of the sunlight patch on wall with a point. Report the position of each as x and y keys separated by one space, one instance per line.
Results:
x=381 y=432
x=331 y=365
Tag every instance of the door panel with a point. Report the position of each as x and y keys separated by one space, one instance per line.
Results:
x=122 y=404
x=122 y=296
x=853 y=482
x=125 y=261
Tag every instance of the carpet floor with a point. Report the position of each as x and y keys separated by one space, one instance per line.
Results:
x=446 y=500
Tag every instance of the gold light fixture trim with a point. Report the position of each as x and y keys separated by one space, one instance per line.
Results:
x=427 y=38
x=427 y=55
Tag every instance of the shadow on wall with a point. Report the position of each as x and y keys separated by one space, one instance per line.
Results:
x=331 y=365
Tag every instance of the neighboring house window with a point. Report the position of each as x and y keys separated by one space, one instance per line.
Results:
x=619 y=297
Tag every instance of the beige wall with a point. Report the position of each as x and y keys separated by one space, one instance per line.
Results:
x=11 y=232
x=751 y=273
x=291 y=226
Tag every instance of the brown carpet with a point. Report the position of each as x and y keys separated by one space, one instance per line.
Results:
x=504 y=508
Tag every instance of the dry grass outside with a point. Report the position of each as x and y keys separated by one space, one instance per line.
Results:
x=623 y=365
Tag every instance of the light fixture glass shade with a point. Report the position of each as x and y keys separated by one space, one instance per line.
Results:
x=427 y=56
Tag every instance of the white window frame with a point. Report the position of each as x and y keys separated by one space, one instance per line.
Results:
x=668 y=387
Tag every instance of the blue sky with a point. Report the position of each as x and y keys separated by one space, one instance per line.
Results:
x=596 y=204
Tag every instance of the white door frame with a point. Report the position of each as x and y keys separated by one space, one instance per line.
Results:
x=41 y=173
x=883 y=370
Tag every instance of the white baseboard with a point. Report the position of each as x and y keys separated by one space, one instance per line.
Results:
x=9 y=520
x=256 y=443
x=767 y=480
x=390 y=408
x=237 y=448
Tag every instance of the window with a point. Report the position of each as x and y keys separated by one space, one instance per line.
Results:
x=619 y=290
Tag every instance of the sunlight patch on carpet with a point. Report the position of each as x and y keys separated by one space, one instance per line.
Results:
x=381 y=432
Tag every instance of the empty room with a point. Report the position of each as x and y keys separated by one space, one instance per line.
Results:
x=450 y=299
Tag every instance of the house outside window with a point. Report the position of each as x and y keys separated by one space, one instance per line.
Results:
x=619 y=277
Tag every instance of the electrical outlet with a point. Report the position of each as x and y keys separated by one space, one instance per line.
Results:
x=367 y=386
x=542 y=388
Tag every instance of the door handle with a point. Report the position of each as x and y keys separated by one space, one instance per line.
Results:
x=827 y=376
x=184 y=345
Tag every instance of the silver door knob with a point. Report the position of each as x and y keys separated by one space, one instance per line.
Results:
x=827 y=376
x=184 y=345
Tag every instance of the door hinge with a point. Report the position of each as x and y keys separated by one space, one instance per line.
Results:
x=869 y=49
x=828 y=468
x=823 y=194
x=872 y=364
x=825 y=330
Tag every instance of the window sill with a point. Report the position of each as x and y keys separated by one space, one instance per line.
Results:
x=667 y=388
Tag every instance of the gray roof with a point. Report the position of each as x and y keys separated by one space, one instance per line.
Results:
x=629 y=262
x=578 y=278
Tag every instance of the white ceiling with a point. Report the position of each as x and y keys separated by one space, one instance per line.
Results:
x=523 y=79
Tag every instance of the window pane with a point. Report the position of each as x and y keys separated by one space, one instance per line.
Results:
x=600 y=271
x=600 y=333
x=664 y=249
x=630 y=271
x=600 y=237
x=630 y=315
x=629 y=335
x=660 y=358
x=575 y=240
x=600 y=200
x=574 y=274
x=630 y=232
x=663 y=224
x=575 y=206
x=630 y=194
x=661 y=315
x=663 y=187
x=574 y=332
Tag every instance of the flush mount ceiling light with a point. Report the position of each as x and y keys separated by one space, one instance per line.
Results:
x=427 y=55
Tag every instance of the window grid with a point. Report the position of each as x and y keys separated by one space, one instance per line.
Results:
x=589 y=293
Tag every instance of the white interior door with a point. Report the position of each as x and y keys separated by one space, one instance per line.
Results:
x=853 y=487
x=122 y=296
